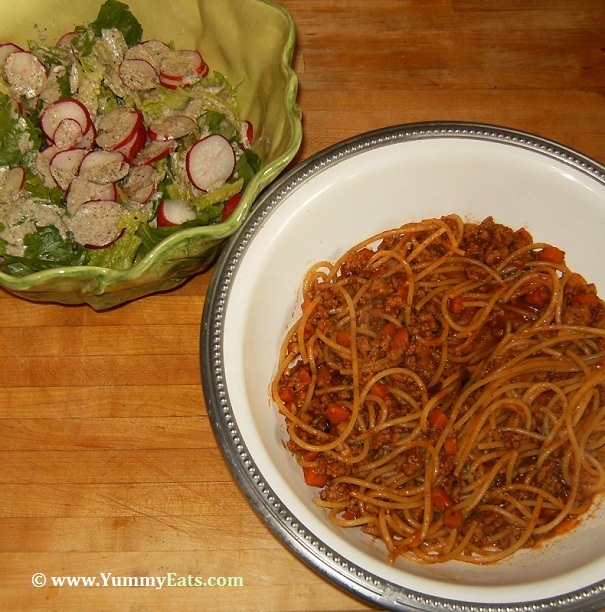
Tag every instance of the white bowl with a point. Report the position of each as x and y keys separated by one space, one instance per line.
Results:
x=337 y=198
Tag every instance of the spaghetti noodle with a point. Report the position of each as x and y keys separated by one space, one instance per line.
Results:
x=444 y=387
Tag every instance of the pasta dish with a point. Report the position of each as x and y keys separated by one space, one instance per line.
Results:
x=444 y=389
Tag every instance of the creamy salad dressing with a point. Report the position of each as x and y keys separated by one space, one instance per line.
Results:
x=21 y=216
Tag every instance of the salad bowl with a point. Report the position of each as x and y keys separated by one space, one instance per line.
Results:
x=251 y=43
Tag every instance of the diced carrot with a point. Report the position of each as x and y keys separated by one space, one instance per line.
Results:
x=304 y=376
x=287 y=395
x=380 y=389
x=308 y=455
x=585 y=298
x=437 y=419
x=343 y=337
x=551 y=254
x=403 y=289
x=337 y=413
x=456 y=304
x=450 y=446
x=441 y=499
x=401 y=337
x=389 y=329
x=538 y=298
x=313 y=478
x=452 y=518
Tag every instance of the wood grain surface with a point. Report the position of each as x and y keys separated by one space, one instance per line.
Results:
x=107 y=460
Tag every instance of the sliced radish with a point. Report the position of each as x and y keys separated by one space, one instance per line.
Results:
x=230 y=205
x=6 y=49
x=140 y=184
x=184 y=66
x=68 y=134
x=57 y=112
x=64 y=166
x=138 y=74
x=152 y=51
x=82 y=190
x=174 y=212
x=25 y=73
x=88 y=138
x=171 y=127
x=153 y=151
x=210 y=161
x=66 y=39
x=131 y=148
x=117 y=127
x=248 y=131
x=95 y=222
x=171 y=83
x=11 y=181
x=104 y=167
x=42 y=164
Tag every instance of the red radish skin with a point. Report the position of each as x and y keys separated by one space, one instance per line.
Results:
x=210 y=161
x=25 y=73
x=182 y=68
x=248 y=133
x=104 y=167
x=117 y=127
x=56 y=112
x=94 y=224
x=140 y=184
x=68 y=134
x=138 y=74
x=65 y=165
x=82 y=190
x=66 y=39
x=131 y=148
x=11 y=182
x=152 y=51
x=153 y=151
x=171 y=127
x=174 y=212
x=6 y=49
x=230 y=205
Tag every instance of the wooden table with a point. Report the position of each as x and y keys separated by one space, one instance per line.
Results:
x=107 y=460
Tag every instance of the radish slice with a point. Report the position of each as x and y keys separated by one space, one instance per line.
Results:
x=138 y=74
x=6 y=49
x=171 y=127
x=174 y=212
x=248 y=132
x=104 y=167
x=210 y=161
x=65 y=40
x=152 y=51
x=140 y=184
x=88 y=138
x=11 y=181
x=57 y=112
x=132 y=146
x=170 y=83
x=94 y=224
x=64 y=166
x=184 y=66
x=25 y=73
x=82 y=190
x=153 y=151
x=117 y=127
x=68 y=134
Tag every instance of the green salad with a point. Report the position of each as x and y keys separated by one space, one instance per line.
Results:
x=109 y=143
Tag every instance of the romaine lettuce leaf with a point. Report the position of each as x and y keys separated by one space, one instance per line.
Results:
x=17 y=134
x=114 y=14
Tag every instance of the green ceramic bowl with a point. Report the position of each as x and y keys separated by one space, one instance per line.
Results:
x=248 y=40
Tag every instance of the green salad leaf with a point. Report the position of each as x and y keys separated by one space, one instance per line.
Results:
x=17 y=134
x=114 y=14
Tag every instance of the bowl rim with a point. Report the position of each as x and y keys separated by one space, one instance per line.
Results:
x=101 y=277
x=342 y=572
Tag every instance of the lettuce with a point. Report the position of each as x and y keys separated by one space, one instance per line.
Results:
x=17 y=134
x=114 y=14
x=44 y=249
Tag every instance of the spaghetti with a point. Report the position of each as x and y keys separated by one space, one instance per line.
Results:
x=444 y=387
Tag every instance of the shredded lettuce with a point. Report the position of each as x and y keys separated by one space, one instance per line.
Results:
x=222 y=194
